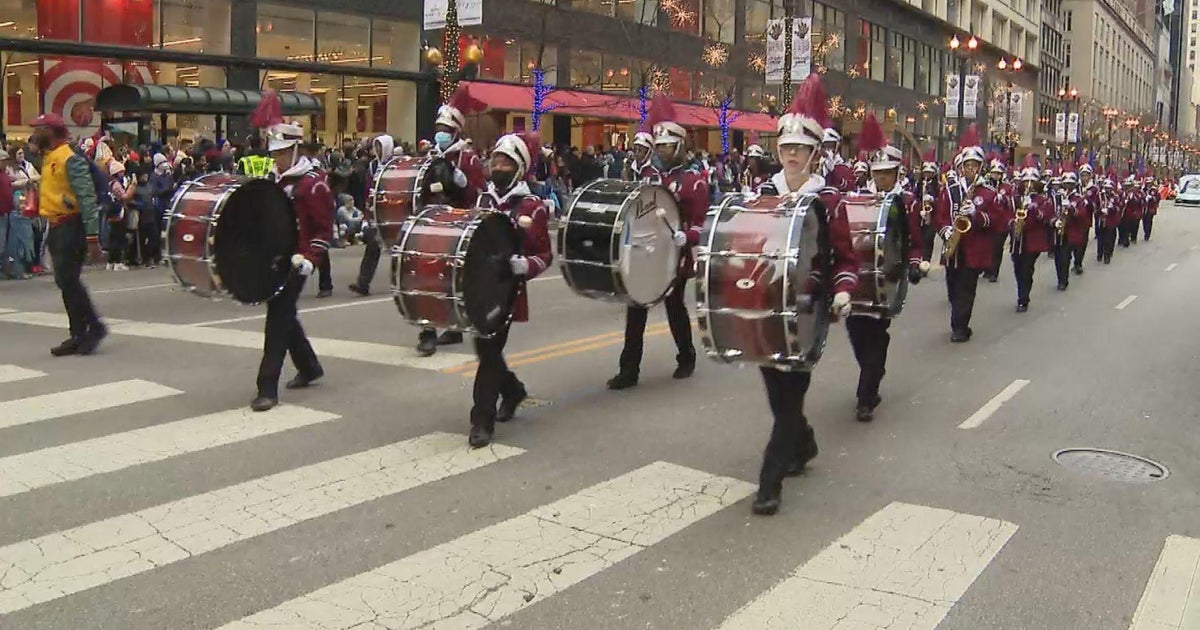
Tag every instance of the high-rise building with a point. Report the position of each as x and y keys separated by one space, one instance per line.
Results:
x=1053 y=56
x=1110 y=57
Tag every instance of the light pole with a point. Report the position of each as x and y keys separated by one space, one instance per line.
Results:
x=1066 y=95
x=1110 y=114
x=1131 y=123
x=962 y=52
x=1016 y=66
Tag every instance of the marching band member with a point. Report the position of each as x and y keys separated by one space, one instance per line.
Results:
x=1153 y=196
x=927 y=193
x=383 y=147
x=450 y=144
x=1090 y=194
x=756 y=172
x=1067 y=204
x=312 y=200
x=690 y=189
x=995 y=181
x=507 y=191
x=792 y=444
x=966 y=201
x=834 y=169
x=1134 y=204
x=862 y=178
x=1110 y=217
x=868 y=330
x=1030 y=233
x=640 y=166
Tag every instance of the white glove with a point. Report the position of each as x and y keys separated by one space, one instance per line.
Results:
x=679 y=238
x=928 y=199
x=302 y=265
x=841 y=304
x=520 y=265
x=924 y=266
x=967 y=210
x=436 y=187
x=460 y=178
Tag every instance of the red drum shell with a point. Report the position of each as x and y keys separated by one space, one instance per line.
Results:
x=395 y=195
x=862 y=212
x=190 y=225
x=430 y=247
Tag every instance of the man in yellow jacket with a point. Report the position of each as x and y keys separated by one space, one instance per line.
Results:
x=67 y=201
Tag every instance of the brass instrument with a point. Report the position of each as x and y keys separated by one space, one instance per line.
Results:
x=961 y=223
x=1060 y=215
x=926 y=205
x=1022 y=212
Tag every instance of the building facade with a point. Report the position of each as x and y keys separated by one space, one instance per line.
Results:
x=1110 y=57
x=1053 y=51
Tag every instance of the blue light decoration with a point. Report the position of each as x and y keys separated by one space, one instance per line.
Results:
x=726 y=117
x=643 y=107
x=540 y=92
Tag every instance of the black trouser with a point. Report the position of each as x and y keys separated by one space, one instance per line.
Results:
x=1108 y=242
x=324 y=273
x=1023 y=265
x=1062 y=262
x=928 y=238
x=997 y=254
x=869 y=337
x=785 y=393
x=38 y=236
x=1147 y=225
x=68 y=250
x=1078 y=251
x=961 y=283
x=283 y=336
x=149 y=235
x=677 y=319
x=118 y=242
x=370 y=259
x=492 y=378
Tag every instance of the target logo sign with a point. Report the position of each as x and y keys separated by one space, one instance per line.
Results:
x=69 y=86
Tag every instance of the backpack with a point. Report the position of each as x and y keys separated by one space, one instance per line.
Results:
x=100 y=183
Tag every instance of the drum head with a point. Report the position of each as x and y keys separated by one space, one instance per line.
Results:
x=488 y=286
x=254 y=242
x=893 y=265
x=812 y=309
x=648 y=259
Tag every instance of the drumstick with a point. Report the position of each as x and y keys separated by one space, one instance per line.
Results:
x=662 y=214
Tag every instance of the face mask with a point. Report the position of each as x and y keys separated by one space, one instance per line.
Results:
x=503 y=180
x=443 y=140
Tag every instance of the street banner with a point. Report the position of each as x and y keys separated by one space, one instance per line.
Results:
x=775 y=52
x=470 y=13
x=801 y=48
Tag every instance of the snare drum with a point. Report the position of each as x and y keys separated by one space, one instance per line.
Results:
x=396 y=195
x=878 y=231
x=753 y=266
x=452 y=270
x=230 y=235
x=614 y=246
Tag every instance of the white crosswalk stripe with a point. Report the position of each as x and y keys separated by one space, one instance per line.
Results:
x=1171 y=600
x=52 y=566
x=76 y=401
x=14 y=373
x=70 y=462
x=904 y=567
x=494 y=572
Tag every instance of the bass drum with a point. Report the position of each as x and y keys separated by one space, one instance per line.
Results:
x=614 y=246
x=452 y=270
x=230 y=235
x=754 y=299
x=396 y=195
x=879 y=231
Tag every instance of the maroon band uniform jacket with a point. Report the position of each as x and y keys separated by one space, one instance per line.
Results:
x=535 y=239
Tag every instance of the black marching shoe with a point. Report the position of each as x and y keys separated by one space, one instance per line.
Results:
x=509 y=404
x=324 y=293
x=263 y=403
x=1022 y=307
x=767 y=499
x=450 y=338
x=991 y=278
x=1079 y=271
x=66 y=348
x=481 y=434
x=1108 y=261
x=359 y=290
x=959 y=336
x=427 y=343
x=685 y=366
x=806 y=451
x=1062 y=286
x=865 y=412
x=302 y=380
x=92 y=338
x=623 y=380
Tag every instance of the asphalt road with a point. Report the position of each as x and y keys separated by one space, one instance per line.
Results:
x=135 y=494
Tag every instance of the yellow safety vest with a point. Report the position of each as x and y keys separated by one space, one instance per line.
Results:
x=256 y=165
x=55 y=190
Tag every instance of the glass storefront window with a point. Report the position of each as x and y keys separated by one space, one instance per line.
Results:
x=718 y=20
x=685 y=18
x=895 y=55
x=286 y=32
x=833 y=31
x=520 y=58
x=908 y=77
x=342 y=39
x=618 y=76
x=19 y=18
x=586 y=70
x=757 y=14
x=878 y=40
x=603 y=7
x=640 y=11
x=184 y=25
x=395 y=44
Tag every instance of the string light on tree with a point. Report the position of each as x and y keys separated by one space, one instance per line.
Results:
x=643 y=108
x=450 y=51
x=726 y=117
x=540 y=91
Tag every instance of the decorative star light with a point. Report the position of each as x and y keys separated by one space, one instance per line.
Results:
x=715 y=55
x=660 y=81
x=757 y=62
x=709 y=97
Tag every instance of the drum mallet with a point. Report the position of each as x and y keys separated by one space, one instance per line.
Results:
x=661 y=213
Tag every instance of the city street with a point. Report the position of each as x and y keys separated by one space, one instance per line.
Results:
x=138 y=492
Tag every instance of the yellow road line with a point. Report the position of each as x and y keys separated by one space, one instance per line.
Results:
x=567 y=348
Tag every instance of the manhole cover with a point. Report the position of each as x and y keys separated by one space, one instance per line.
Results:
x=1099 y=462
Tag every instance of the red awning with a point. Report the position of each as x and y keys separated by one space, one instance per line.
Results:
x=519 y=98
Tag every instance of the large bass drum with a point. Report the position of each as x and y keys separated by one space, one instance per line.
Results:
x=396 y=195
x=879 y=231
x=452 y=269
x=230 y=235
x=754 y=299
x=615 y=242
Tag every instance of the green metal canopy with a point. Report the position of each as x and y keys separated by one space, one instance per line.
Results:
x=172 y=99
